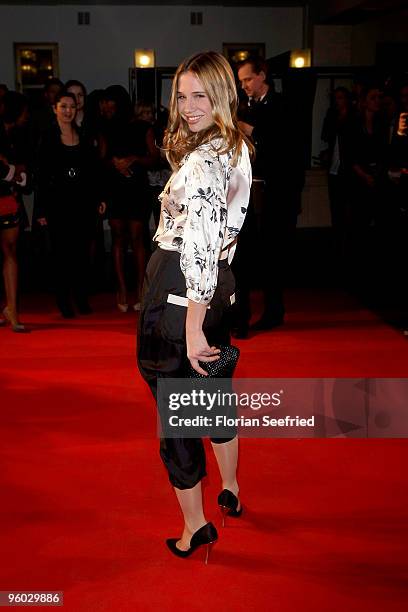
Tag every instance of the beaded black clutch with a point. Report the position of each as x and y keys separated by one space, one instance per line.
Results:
x=221 y=368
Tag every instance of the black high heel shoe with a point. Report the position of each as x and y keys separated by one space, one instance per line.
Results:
x=228 y=503
x=206 y=535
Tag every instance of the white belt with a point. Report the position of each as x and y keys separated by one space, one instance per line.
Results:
x=179 y=300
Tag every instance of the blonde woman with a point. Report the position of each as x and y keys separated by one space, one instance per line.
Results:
x=202 y=211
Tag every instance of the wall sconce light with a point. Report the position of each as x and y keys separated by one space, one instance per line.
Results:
x=300 y=58
x=144 y=58
x=240 y=56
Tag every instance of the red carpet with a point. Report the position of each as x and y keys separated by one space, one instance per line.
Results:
x=85 y=504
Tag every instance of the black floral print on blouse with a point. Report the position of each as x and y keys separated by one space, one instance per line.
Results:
x=203 y=208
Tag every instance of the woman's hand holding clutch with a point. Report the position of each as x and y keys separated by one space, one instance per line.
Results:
x=198 y=350
x=197 y=345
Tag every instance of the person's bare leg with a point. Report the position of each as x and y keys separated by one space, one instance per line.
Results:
x=118 y=247
x=191 y=503
x=8 y=239
x=226 y=455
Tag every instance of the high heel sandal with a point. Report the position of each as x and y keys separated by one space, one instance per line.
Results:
x=206 y=535
x=228 y=503
x=17 y=327
x=123 y=307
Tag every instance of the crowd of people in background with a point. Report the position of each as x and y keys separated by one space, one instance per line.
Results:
x=89 y=157
x=365 y=152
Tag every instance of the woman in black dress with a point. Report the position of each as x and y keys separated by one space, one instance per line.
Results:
x=128 y=150
x=68 y=197
x=367 y=151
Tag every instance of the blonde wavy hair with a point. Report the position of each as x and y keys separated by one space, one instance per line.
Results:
x=217 y=79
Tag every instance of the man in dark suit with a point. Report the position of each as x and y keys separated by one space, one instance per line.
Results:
x=275 y=198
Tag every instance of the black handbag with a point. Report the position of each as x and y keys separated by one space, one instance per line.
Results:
x=221 y=368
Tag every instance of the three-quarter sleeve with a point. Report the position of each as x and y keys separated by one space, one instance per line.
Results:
x=205 y=224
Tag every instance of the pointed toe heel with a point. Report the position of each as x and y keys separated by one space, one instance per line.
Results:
x=205 y=536
x=228 y=503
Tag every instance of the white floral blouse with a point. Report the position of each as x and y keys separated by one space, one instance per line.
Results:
x=203 y=208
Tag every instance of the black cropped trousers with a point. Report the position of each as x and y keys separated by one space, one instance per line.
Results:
x=162 y=349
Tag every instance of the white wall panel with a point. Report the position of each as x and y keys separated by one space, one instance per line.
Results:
x=100 y=54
